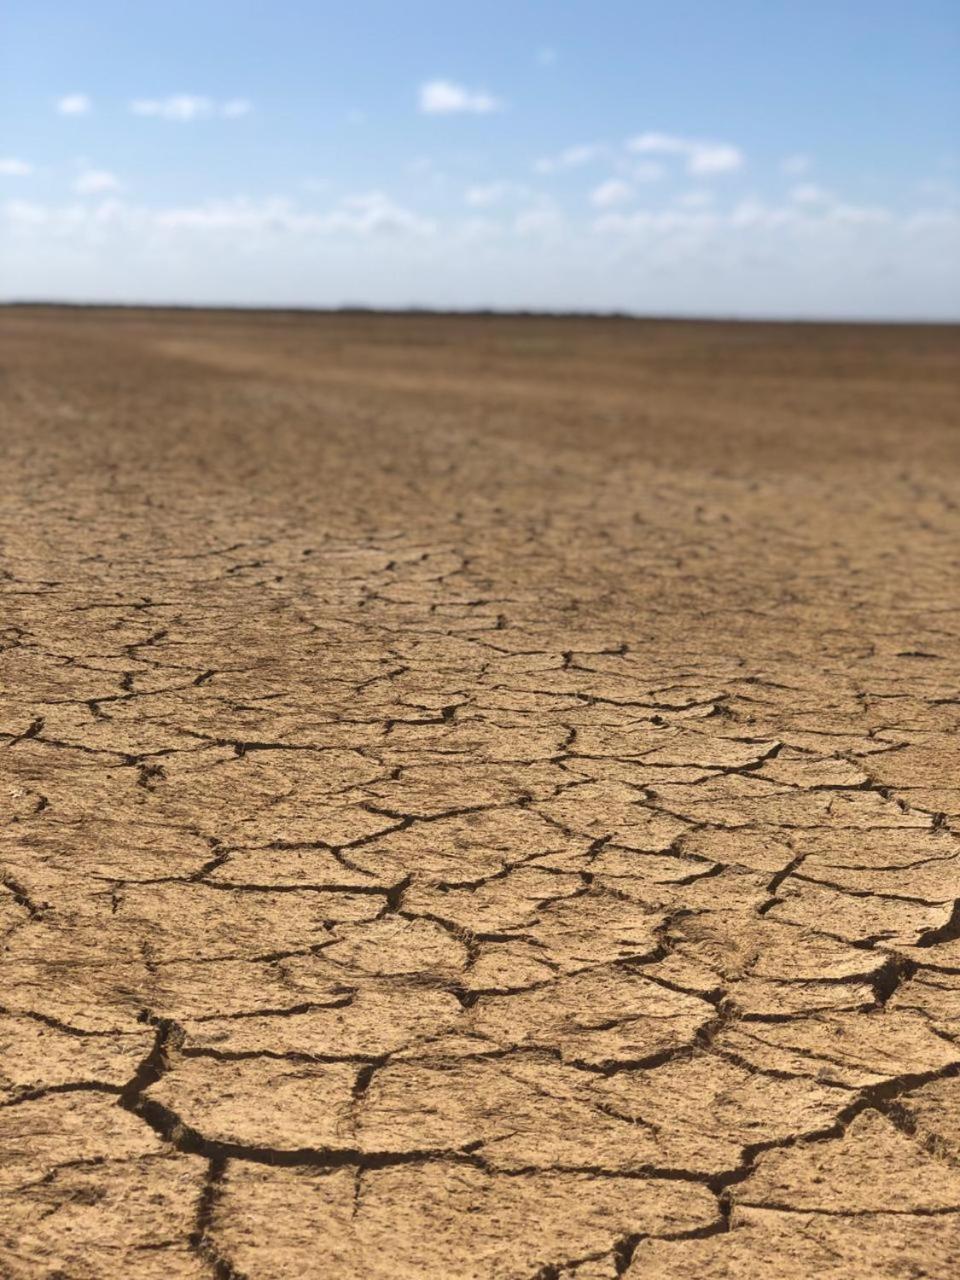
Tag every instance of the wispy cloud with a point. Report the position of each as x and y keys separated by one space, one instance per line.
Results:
x=187 y=106
x=701 y=157
x=795 y=166
x=753 y=214
x=95 y=182
x=483 y=195
x=74 y=104
x=546 y=55
x=925 y=220
x=366 y=214
x=571 y=158
x=374 y=212
x=718 y=158
x=611 y=193
x=540 y=222
x=747 y=216
x=700 y=199
x=233 y=108
x=239 y=223
x=661 y=221
x=809 y=193
x=645 y=170
x=805 y=208
x=11 y=167
x=620 y=254
x=445 y=97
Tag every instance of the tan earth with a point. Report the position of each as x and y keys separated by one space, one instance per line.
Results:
x=481 y=799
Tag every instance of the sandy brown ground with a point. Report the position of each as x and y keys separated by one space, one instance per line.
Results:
x=481 y=799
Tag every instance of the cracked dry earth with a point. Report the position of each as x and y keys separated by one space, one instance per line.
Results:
x=481 y=799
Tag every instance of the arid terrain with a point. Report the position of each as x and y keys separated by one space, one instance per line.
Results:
x=481 y=798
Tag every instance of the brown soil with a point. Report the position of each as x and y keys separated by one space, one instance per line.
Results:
x=481 y=799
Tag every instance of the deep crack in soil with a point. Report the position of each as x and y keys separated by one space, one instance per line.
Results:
x=480 y=799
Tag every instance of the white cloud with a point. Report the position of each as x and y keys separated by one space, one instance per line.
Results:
x=646 y=171
x=366 y=214
x=714 y=158
x=700 y=199
x=485 y=194
x=825 y=213
x=701 y=157
x=74 y=221
x=479 y=229
x=542 y=221
x=421 y=166
x=809 y=193
x=747 y=216
x=235 y=107
x=95 y=182
x=659 y=143
x=571 y=158
x=796 y=165
x=188 y=106
x=925 y=220
x=240 y=223
x=754 y=215
x=665 y=221
x=374 y=212
x=74 y=104
x=752 y=259
x=24 y=213
x=11 y=167
x=611 y=193
x=444 y=97
x=858 y=215
x=181 y=106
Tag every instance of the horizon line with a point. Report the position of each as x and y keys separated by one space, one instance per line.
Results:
x=477 y=312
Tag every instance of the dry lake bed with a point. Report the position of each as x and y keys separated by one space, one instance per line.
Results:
x=480 y=798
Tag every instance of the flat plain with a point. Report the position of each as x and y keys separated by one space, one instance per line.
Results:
x=480 y=798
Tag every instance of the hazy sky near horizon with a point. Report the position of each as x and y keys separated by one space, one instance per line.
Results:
x=751 y=157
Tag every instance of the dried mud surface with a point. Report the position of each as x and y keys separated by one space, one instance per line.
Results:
x=480 y=799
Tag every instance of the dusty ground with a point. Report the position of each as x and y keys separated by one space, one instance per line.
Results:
x=482 y=799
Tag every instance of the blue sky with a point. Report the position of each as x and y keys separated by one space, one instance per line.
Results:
x=678 y=157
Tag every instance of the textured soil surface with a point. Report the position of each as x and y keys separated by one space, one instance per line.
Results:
x=480 y=799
